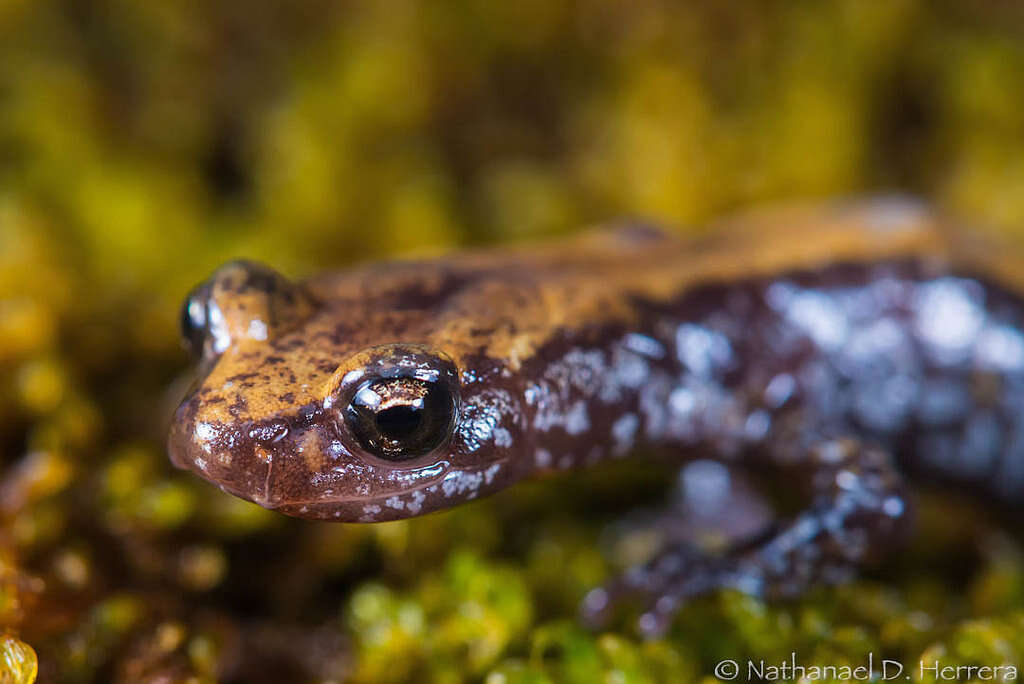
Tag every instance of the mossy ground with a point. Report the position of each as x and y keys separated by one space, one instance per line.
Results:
x=141 y=144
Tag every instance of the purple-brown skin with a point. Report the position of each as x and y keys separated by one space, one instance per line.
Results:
x=829 y=341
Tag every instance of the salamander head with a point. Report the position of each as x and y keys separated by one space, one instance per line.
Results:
x=357 y=406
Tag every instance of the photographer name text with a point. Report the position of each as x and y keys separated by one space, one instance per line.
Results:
x=872 y=668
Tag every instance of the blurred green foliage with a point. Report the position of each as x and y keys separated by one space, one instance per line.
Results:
x=141 y=144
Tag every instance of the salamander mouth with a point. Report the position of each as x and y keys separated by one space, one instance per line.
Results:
x=353 y=510
x=448 y=487
x=211 y=451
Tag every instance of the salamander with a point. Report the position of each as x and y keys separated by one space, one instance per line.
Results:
x=844 y=344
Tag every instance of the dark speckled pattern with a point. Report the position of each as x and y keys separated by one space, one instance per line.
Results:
x=829 y=375
x=843 y=367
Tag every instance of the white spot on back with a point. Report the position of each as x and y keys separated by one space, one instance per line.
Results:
x=462 y=482
x=779 y=390
x=205 y=432
x=257 y=329
x=577 y=421
x=644 y=345
x=702 y=350
x=542 y=458
x=370 y=512
x=757 y=426
x=814 y=312
x=948 y=318
x=218 y=328
x=705 y=485
x=502 y=437
x=631 y=370
x=682 y=401
x=1000 y=347
x=416 y=499
x=624 y=432
x=482 y=417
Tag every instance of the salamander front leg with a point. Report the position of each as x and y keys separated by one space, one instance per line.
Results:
x=857 y=509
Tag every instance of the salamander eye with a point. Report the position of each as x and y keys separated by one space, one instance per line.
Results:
x=242 y=301
x=194 y=320
x=399 y=418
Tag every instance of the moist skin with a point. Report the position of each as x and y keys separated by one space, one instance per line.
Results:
x=845 y=344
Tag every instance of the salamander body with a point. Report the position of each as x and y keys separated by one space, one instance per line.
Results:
x=847 y=343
